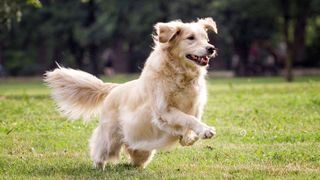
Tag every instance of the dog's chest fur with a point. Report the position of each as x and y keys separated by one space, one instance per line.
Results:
x=185 y=93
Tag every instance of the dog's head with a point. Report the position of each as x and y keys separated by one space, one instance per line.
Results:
x=187 y=42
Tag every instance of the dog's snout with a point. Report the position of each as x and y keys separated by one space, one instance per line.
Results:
x=210 y=49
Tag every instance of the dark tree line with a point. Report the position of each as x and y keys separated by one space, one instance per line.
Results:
x=77 y=32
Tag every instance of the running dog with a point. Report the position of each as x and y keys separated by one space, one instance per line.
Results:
x=160 y=108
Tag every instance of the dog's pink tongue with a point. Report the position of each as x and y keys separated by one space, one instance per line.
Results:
x=204 y=61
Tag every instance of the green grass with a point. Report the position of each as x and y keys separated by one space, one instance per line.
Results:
x=266 y=128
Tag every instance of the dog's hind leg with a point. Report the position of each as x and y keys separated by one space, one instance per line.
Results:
x=105 y=144
x=140 y=158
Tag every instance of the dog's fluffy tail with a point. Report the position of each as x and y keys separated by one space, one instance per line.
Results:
x=77 y=93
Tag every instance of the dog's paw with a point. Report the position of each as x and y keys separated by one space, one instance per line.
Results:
x=99 y=165
x=189 y=139
x=208 y=133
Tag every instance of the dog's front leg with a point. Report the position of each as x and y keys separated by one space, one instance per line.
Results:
x=178 y=123
x=189 y=138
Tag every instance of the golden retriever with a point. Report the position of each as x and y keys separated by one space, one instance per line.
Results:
x=160 y=108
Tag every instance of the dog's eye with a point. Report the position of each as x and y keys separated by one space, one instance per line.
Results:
x=190 y=38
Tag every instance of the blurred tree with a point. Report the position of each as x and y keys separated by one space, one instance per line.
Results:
x=76 y=32
x=11 y=9
x=295 y=14
x=250 y=20
x=43 y=40
x=246 y=21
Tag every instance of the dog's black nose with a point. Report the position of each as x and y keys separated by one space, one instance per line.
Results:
x=210 y=49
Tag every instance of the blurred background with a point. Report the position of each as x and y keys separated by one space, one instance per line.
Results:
x=256 y=37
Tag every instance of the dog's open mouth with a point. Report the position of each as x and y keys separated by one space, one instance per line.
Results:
x=200 y=60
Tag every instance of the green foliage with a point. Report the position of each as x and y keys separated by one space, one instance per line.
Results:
x=266 y=129
x=35 y=3
x=77 y=32
x=10 y=10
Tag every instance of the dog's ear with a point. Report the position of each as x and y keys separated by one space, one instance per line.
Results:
x=208 y=24
x=166 y=32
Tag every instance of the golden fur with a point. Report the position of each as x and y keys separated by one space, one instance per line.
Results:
x=163 y=106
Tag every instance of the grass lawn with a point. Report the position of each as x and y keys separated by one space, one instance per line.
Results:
x=266 y=128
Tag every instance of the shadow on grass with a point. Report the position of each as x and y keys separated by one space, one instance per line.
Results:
x=79 y=169
x=25 y=97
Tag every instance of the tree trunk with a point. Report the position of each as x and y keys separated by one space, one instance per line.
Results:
x=76 y=50
x=93 y=59
x=42 y=55
x=2 y=70
x=92 y=47
x=1 y=53
x=163 y=8
x=300 y=31
x=242 y=50
x=120 y=61
x=56 y=57
x=79 y=58
x=288 y=59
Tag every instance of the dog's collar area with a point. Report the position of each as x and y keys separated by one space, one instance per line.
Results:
x=200 y=60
